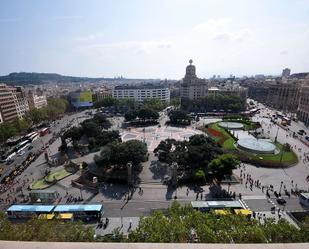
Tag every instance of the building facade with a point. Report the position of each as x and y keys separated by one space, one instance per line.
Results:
x=22 y=105
x=303 y=108
x=8 y=102
x=192 y=87
x=141 y=92
x=101 y=94
x=36 y=99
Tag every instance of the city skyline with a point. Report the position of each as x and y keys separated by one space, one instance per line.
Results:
x=138 y=39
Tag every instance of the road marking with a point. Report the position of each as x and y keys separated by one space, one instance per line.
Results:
x=254 y=197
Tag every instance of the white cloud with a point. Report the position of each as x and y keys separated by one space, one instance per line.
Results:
x=211 y=25
x=133 y=47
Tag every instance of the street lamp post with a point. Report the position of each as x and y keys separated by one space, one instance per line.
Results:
x=129 y=165
x=277 y=135
x=280 y=187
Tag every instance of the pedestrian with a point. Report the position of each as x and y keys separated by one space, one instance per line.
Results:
x=130 y=225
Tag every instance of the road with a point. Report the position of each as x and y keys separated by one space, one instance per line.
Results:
x=41 y=141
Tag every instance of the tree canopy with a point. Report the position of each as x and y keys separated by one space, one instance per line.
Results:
x=223 y=165
x=143 y=114
x=213 y=102
x=179 y=117
x=40 y=230
x=183 y=224
x=195 y=153
x=121 y=153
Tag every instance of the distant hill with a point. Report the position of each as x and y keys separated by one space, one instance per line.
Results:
x=43 y=78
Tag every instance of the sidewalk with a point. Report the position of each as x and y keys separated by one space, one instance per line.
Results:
x=116 y=223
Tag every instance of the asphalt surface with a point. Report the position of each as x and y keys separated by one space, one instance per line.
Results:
x=55 y=127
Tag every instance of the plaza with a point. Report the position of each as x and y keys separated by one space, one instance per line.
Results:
x=153 y=135
x=155 y=194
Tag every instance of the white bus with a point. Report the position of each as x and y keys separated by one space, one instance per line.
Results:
x=34 y=136
x=19 y=146
x=7 y=156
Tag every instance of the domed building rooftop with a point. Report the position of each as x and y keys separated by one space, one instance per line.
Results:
x=190 y=71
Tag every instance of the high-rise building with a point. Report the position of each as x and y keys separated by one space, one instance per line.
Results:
x=286 y=72
x=21 y=102
x=191 y=86
x=8 y=102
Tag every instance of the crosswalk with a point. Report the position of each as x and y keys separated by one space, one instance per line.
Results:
x=254 y=197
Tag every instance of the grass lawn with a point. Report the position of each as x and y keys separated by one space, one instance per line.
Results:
x=57 y=175
x=222 y=137
x=40 y=184
x=287 y=157
x=227 y=142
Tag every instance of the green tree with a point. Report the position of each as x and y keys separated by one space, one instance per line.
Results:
x=154 y=104
x=21 y=125
x=105 y=102
x=179 y=117
x=130 y=115
x=147 y=114
x=175 y=102
x=7 y=130
x=121 y=153
x=223 y=165
x=91 y=129
x=42 y=230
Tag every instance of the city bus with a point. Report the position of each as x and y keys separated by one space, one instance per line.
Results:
x=22 y=145
x=34 y=136
x=29 y=135
x=7 y=156
x=85 y=212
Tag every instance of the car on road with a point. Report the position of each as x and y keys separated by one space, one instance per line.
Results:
x=281 y=201
x=307 y=138
x=301 y=132
x=30 y=147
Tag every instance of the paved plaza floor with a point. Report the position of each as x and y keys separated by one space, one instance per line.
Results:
x=154 y=135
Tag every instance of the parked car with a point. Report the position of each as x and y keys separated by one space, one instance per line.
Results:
x=307 y=138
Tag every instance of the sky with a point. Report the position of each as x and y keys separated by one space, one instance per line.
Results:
x=154 y=39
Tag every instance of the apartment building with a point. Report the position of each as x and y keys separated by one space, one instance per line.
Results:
x=8 y=101
x=36 y=99
x=21 y=102
x=141 y=92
